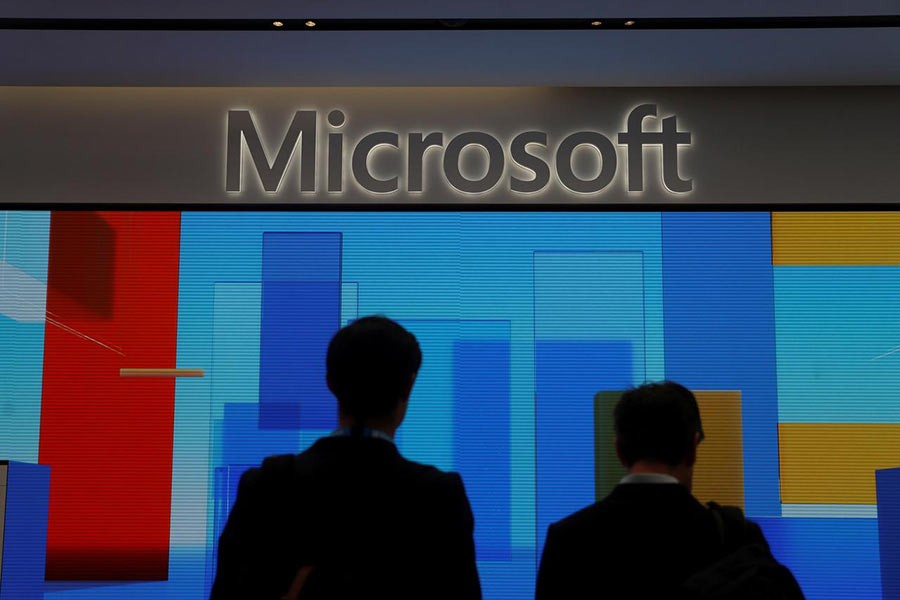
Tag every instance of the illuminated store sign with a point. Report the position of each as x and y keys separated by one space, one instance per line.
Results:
x=448 y=147
x=538 y=155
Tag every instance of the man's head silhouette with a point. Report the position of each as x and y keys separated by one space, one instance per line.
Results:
x=658 y=428
x=371 y=367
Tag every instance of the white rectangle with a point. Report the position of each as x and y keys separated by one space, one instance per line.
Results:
x=829 y=511
x=22 y=297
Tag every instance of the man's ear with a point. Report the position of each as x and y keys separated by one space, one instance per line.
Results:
x=329 y=383
x=620 y=454
x=412 y=382
x=691 y=458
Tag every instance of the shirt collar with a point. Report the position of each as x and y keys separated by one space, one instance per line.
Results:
x=361 y=432
x=648 y=478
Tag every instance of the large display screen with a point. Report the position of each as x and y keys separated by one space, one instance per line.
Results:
x=531 y=323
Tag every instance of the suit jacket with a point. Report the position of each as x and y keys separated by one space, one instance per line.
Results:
x=349 y=505
x=640 y=542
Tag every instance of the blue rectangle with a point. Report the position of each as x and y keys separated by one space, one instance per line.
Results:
x=25 y=532
x=832 y=559
x=887 y=483
x=481 y=422
x=225 y=487
x=301 y=310
x=244 y=442
x=568 y=374
x=719 y=316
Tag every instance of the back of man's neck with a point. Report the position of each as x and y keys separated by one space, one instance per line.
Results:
x=650 y=467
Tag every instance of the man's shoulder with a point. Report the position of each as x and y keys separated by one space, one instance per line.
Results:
x=631 y=505
x=333 y=457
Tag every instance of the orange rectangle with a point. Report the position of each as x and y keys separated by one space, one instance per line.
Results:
x=835 y=238
x=719 y=473
x=835 y=463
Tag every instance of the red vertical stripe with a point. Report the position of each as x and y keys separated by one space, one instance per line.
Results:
x=112 y=302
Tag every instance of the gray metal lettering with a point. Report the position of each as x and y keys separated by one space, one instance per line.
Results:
x=495 y=162
x=607 y=162
x=241 y=126
x=518 y=149
x=360 y=162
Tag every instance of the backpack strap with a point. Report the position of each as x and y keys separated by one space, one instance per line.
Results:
x=299 y=581
x=730 y=525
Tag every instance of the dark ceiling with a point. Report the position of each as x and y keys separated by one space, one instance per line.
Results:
x=613 y=57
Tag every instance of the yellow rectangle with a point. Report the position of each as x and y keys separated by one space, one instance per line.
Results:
x=719 y=473
x=128 y=372
x=835 y=463
x=836 y=238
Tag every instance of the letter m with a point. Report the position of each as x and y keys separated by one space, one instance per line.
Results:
x=241 y=126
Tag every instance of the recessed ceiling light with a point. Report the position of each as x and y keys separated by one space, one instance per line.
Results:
x=310 y=23
x=596 y=23
x=277 y=24
x=629 y=23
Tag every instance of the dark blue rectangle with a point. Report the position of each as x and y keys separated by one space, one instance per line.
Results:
x=481 y=424
x=301 y=310
x=245 y=443
x=719 y=315
x=25 y=532
x=302 y=256
x=832 y=558
x=887 y=482
x=568 y=374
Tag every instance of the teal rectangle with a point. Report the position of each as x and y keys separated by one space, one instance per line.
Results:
x=838 y=344
x=24 y=243
x=234 y=376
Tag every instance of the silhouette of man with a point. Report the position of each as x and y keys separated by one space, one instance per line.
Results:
x=649 y=534
x=350 y=517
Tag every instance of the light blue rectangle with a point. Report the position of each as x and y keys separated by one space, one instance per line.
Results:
x=349 y=302
x=838 y=336
x=427 y=432
x=21 y=379
x=591 y=296
x=25 y=241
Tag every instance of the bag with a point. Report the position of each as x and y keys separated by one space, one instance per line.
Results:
x=748 y=571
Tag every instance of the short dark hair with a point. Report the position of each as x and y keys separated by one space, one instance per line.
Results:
x=657 y=421
x=370 y=365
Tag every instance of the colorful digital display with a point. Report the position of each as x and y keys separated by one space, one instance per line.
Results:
x=530 y=324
